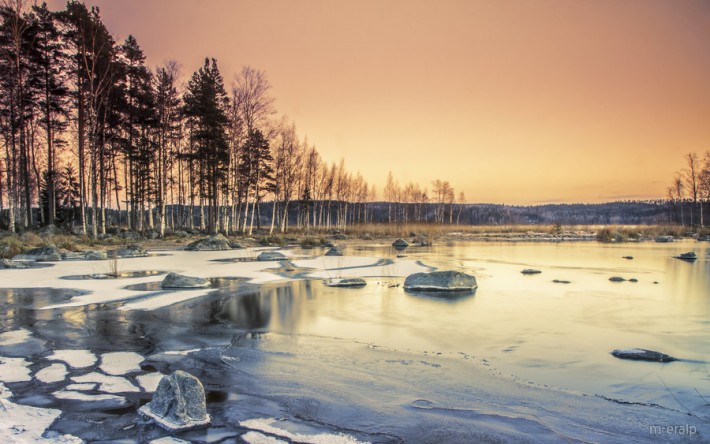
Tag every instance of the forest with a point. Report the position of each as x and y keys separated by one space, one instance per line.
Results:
x=92 y=138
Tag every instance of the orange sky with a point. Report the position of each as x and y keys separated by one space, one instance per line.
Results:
x=511 y=101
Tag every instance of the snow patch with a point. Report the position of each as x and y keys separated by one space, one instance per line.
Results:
x=120 y=363
x=74 y=358
x=77 y=396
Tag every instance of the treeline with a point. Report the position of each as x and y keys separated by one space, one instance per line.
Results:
x=689 y=193
x=91 y=137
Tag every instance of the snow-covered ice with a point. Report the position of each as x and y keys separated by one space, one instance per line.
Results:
x=268 y=425
x=108 y=384
x=149 y=381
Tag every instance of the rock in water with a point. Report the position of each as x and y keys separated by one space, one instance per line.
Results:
x=7 y=263
x=271 y=256
x=46 y=253
x=334 y=251
x=531 y=271
x=664 y=239
x=616 y=279
x=641 y=354
x=345 y=282
x=179 y=403
x=400 y=243
x=211 y=243
x=440 y=281
x=175 y=280
x=93 y=255
x=689 y=256
x=628 y=257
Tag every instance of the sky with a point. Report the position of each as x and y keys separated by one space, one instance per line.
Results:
x=511 y=101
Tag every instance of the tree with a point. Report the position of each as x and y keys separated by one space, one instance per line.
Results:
x=205 y=103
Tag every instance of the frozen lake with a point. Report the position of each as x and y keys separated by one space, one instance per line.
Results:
x=284 y=357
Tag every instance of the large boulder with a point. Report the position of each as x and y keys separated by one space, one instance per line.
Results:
x=49 y=230
x=271 y=256
x=175 y=280
x=440 y=281
x=400 y=243
x=664 y=239
x=178 y=403
x=133 y=250
x=641 y=354
x=46 y=253
x=211 y=243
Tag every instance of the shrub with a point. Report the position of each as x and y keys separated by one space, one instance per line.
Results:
x=10 y=246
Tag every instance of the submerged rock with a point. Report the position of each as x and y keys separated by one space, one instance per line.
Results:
x=175 y=280
x=271 y=256
x=133 y=250
x=633 y=280
x=617 y=279
x=334 y=251
x=211 y=243
x=689 y=256
x=531 y=271
x=440 y=281
x=46 y=253
x=627 y=257
x=400 y=243
x=178 y=403
x=641 y=354
x=561 y=281
x=345 y=282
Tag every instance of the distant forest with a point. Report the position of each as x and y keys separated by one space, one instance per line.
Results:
x=91 y=138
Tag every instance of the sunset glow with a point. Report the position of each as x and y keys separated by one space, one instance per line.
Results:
x=510 y=101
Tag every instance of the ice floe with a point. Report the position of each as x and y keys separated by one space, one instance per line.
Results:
x=78 y=396
x=259 y=438
x=109 y=384
x=74 y=358
x=149 y=381
x=120 y=363
x=53 y=373
x=15 y=337
x=14 y=370
x=26 y=424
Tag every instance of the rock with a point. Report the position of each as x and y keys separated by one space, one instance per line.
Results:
x=49 y=230
x=689 y=256
x=334 y=251
x=131 y=235
x=628 y=257
x=179 y=403
x=71 y=255
x=633 y=280
x=367 y=236
x=440 y=281
x=664 y=239
x=531 y=271
x=329 y=244
x=561 y=281
x=400 y=243
x=133 y=250
x=641 y=354
x=422 y=240
x=180 y=233
x=617 y=279
x=12 y=265
x=46 y=253
x=345 y=282
x=77 y=230
x=153 y=235
x=94 y=255
x=175 y=280
x=211 y=243
x=271 y=256
x=340 y=236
